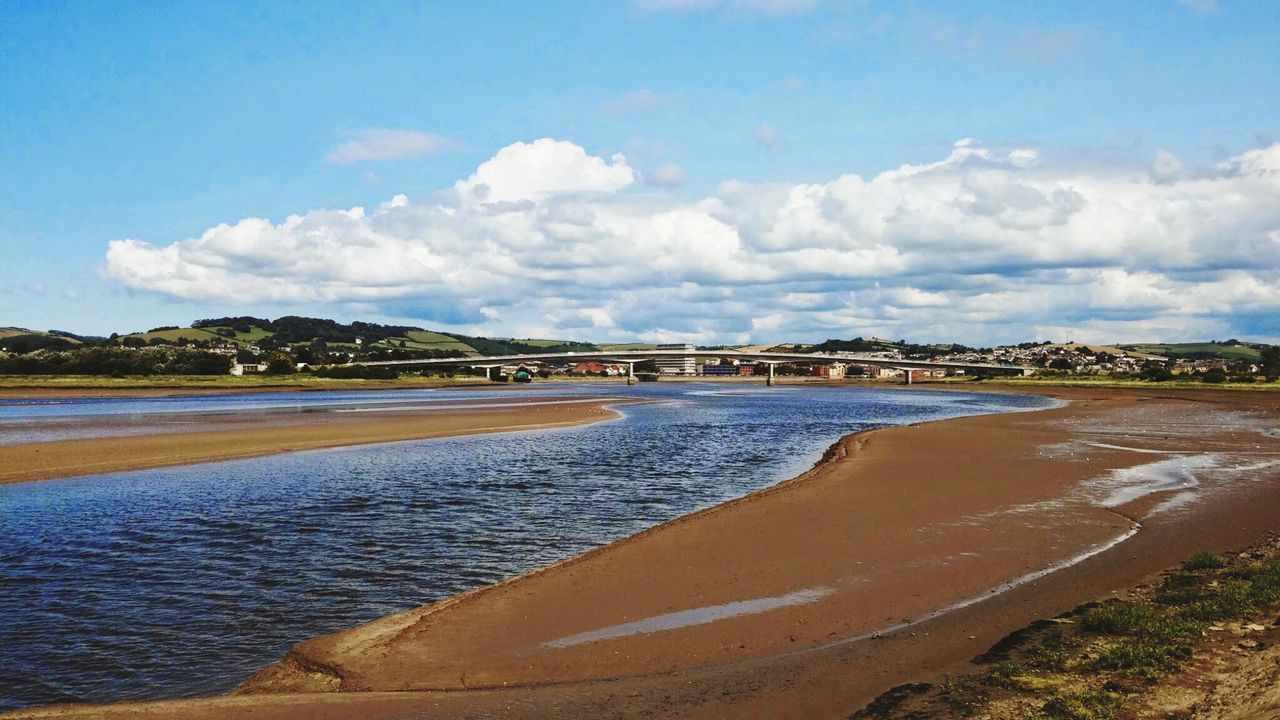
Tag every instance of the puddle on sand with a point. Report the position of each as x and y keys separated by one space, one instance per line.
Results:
x=1175 y=473
x=695 y=616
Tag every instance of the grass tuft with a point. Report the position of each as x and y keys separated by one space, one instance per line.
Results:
x=1081 y=706
x=1204 y=560
x=1143 y=659
x=1117 y=618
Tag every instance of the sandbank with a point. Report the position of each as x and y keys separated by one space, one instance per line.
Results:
x=905 y=553
x=231 y=436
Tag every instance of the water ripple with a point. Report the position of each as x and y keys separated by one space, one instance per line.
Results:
x=184 y=581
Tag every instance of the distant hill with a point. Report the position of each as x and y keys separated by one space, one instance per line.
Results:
x=619 y=347
x=1226 y=350
x=296 y=330
x=19 y=340
x=873 y=345
x=247 y=330
x=1110 y=349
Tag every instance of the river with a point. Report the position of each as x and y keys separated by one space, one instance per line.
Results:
x=184 y=581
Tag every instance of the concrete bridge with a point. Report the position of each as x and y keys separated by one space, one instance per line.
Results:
x=631 y=357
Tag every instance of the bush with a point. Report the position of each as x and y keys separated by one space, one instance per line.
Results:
x=357 y=372
x=1214 y=375
x=1203 y=560
x=280 y=364
x=1156 y=373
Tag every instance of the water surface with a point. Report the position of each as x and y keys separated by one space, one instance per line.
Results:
x=184 y=581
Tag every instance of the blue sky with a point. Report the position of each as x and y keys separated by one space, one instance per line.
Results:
x=737 y=121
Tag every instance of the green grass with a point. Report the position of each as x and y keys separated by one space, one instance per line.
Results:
x=1143 y=660
x=16 y=331
x=618 y=347
x=427 y=340
x=253 y=336
x=1155 y=640
x=542 y=342
x=1204 y=560
x=1117 y=618
x=1081 y=706
x=192 y=334
x=1229 y=352
x=1088 y=664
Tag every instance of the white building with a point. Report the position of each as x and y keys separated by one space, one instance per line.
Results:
x=676 y=365
x=247 y=368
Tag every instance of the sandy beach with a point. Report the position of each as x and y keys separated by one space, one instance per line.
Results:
x=226 y=436
x=901 y=556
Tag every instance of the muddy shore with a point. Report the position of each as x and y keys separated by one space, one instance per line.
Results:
x=810 y=598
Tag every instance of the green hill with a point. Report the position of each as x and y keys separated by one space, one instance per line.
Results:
x=628 y=346
x=178 y=335
x=1229 y=350
x=21 y=340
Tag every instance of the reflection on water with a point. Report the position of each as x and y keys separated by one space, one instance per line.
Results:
x=184 y=581
x=695 y=616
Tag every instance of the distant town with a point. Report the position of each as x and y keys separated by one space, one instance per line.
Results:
x=326 y=348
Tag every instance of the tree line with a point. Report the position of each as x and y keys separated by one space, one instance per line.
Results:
x=117 y=362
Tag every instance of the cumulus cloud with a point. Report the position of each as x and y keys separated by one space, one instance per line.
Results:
x=977 y=246
x=384 y=144
x=525 y=171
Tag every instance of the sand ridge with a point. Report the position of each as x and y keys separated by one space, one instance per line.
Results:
x=234 y=437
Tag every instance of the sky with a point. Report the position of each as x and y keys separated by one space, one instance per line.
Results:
x=710 y=171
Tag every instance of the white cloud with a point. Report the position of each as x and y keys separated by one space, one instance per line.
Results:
x=384 y=144
x=666 y=176
x=526 y=171
x=1023 y=157
x=978 y=247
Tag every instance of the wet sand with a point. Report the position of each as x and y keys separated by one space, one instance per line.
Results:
x=253 y=434
x=810 y=598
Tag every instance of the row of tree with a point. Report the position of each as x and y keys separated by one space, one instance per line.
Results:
x=117 y=362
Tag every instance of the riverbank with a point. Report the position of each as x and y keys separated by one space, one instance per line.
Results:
x=812 y=597
x=14 y=387
x=227 y=437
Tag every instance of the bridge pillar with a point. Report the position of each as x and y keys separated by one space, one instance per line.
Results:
x=907 y=373
x=631 y=373
x=769 y=381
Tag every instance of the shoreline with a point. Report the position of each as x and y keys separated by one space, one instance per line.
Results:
x=88 y=388
x=315 y=667
x=237 y=439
